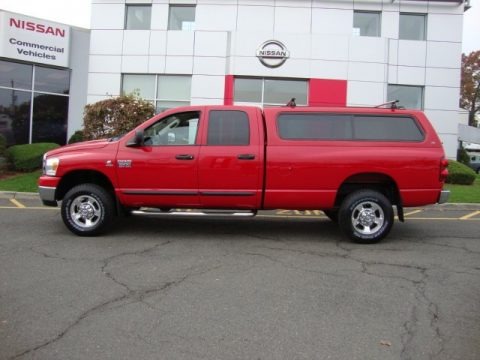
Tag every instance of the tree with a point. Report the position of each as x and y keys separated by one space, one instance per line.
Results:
x=470 y=87
x=115 y=116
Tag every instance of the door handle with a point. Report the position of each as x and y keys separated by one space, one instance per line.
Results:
x=246 y=157
x=184 y=157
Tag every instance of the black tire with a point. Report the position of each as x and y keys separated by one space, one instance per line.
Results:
x=366 y=216
x=332 y=215
x=88 y=210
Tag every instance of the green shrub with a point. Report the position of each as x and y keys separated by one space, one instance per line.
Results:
x=115 y=116
x=28 y=157
x=462 y=156
x=459 y=173
x=76 y=137
x=3 y=145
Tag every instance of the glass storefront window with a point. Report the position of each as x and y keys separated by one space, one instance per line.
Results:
x=50 y=114
x=248 y=90
x=142 y=85
x=265 y=92
x=280 y=92
x=171 y=90
x=48 y=95
x=15 y=116
x=15 y=75
x=52 y=80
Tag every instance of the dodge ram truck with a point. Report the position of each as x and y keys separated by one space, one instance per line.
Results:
x=355 y=164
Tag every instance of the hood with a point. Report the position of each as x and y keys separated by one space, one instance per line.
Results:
x=81 y=146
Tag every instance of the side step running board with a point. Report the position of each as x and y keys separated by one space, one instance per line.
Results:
x=213 y=213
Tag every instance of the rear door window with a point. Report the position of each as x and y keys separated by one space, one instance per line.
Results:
x=228 y=127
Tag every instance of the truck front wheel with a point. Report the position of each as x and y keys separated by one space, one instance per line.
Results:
x=366 y=216
x=87 y=209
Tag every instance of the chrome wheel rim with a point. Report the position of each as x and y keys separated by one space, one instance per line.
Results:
x=85 y=211
x=368 y=218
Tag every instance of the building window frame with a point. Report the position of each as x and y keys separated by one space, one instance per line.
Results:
x=397 y=87
x=378 y=23
x=422 y=36
x=146 y=26
x=185 y=25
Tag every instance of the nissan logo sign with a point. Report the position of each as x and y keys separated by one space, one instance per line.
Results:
x=272 y=53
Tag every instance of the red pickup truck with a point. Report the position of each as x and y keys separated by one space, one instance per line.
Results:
x=352 y=163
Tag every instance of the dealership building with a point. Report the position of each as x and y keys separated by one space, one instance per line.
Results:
x=256 y=52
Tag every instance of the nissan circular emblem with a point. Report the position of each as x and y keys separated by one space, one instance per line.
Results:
x=272 y=53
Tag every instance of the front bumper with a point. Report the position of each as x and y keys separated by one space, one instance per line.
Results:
x=47 y=195
x=444 y=195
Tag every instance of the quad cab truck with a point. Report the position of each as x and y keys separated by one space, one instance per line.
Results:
x=355 y=164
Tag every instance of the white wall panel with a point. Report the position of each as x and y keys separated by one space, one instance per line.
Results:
x=367 y=5
x=390 y=24
x=368 y=49
x=414 y=6
x=135 y=64
x=438 y=31
x=156 y=64
x=411 y=75
x=257 y=2
x=364 y=93
x=445 y=122
x=443 y=77
x=392 y=76
x=286 y=16
x=105 y=63
x=450 y=144
x=208 y=87
x=180 y=42
x=332 y=21
x=209 y=43
x=367 y=71
x=91 y=99
x=104 y=84
x=216 y=17
x=333 y=4
x=106 y=42
x=443 y=54
x=108 y=16
x=411 y=53
x=322 y=69
x=298 y=44
x=209 y=65
x=207 y=101
x=159 y=17
x=255 y=18
x=441 y=98
x=247 y=43
x=136 y=42
x=179 y=65
x=158 y=43
x=330 y=47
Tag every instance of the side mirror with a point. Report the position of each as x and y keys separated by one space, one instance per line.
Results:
x=138 y=140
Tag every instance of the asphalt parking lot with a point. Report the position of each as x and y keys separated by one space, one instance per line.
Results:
x=283 y=285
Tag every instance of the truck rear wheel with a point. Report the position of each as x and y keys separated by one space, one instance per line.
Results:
x=366 y=216
x=87 y=209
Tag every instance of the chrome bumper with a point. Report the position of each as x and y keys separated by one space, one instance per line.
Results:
x=444 y=195
x=47 y=195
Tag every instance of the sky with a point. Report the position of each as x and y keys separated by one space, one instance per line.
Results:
x=77 y=13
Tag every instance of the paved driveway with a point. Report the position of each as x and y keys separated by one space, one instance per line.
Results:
x=283 y=285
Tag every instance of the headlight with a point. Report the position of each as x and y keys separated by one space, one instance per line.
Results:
x=50 y=166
